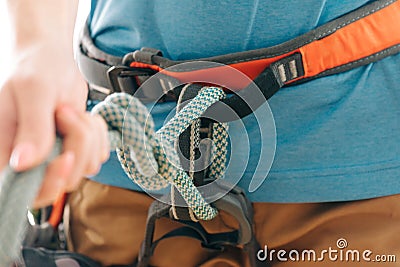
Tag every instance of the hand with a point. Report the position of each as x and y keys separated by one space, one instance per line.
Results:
x=45 y=94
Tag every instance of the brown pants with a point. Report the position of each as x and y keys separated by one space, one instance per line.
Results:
x=107 y=224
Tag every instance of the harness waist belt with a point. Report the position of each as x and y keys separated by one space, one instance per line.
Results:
x=365 y=35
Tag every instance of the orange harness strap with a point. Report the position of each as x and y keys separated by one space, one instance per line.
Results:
x=375 y=33
x=363 y=36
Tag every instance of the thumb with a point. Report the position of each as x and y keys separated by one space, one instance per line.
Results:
x=35 y=132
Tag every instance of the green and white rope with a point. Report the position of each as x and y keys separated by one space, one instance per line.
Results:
x=148 y=157
x=17 y=192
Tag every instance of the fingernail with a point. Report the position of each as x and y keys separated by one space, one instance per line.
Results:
x=22 y=156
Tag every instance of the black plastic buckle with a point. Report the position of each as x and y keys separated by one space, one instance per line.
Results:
x=238 y=206
x=116 y=72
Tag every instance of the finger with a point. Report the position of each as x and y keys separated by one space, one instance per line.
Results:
x=104 y=141
x=55 y=181
x=76 y=130
x=99 y=131
x=93 y=161
x=35 y=133
x=7 y=127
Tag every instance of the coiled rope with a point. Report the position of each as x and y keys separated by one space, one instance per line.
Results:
x=150 y=158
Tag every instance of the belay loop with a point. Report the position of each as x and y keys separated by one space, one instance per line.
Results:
x=148 y=157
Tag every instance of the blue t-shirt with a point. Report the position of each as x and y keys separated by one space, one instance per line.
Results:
x=337 y=137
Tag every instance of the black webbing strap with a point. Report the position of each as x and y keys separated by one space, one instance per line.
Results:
x=234 y=203
x=244 y=102
x=194 y=150
x=106 y=73
x=186 y=146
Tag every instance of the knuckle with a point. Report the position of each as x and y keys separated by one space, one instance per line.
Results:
x=73 y=183
x=34 y=82
x=82 y=132
x=93 y=168
x=106 y=154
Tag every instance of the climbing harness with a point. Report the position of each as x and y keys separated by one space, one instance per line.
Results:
x=363 y=36
x=233 y=201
